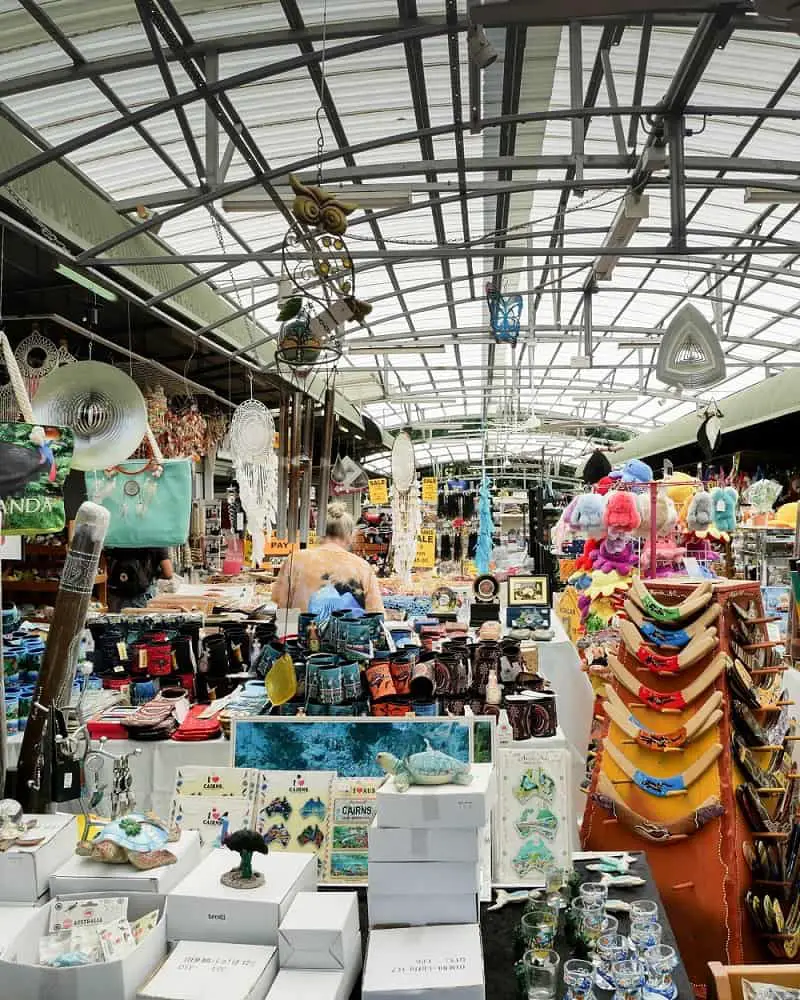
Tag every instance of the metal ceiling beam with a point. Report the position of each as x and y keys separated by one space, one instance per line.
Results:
x=662 y=13
x=454 y=53
x=123 y=62
x=437 y=253
x=52 y=29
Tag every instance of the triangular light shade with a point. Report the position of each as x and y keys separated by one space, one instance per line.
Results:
x=690 y=355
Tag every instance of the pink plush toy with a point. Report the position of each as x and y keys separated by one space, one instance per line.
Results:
x=610 y=557
x=621 y=513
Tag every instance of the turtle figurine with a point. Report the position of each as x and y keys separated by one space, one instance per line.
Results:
x=430 y=767
x=138 y=839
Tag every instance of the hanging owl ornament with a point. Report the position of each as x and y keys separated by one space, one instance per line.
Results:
x=319 y=266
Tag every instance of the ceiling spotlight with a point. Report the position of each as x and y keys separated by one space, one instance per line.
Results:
x=481 y=50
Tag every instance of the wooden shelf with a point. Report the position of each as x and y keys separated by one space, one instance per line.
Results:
x=42 y=585
x=32 y=549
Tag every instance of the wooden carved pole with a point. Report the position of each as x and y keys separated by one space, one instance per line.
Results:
x=60 y=659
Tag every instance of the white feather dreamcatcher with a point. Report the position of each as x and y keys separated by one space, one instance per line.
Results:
x=406 y=518
x=252 y=437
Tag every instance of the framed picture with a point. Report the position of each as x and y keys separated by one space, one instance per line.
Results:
x=534 y=590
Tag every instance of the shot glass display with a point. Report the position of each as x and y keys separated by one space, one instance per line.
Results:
x=594 y=892
x=659 y=962
x=644 y=911
x=611 y=948
x=578 y=979
x=555 y=879
x=539 y=974
x=644 y=936
x=589 y=919
x=539 y=926
x=628 y=978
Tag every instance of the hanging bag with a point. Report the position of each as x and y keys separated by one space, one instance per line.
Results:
x=150 y=500
x=34 y=462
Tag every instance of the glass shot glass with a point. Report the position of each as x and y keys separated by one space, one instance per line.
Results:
x=539 y=974
x=594 y=891
x=555 y=879
x=643 y=911
x=659 y=962
x=644 y=936
x=578 y=979
x=611 y=948
x=539 y=926
x=628 y=977
x=589 y=919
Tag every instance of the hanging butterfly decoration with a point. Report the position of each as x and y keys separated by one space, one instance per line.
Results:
x=505 y=313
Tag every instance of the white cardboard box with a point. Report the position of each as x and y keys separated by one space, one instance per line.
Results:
x=424 y=963
x=310 y=984
x=13 y=917
x=85 y=876
x=412 y=911
x=403 y=878
x=439 y=806
x=202 y=909
x=23 y=979
x=388 y=843
x=321 y=930
x=25 y=871
x=204 y=970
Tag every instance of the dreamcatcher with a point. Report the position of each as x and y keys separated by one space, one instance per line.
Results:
x=36 y=356
x=505 y=313
x=252 y=438
x=406 y=518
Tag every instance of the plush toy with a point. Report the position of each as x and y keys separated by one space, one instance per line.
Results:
x=621 y=513
x=636 y=471
x=724 y=500
x=681 y=489
x=587 y=518
x=666 y=514
x=604 y=584
x=700 y=515
x=586 y=560
x=602 y=486
x=610 y=557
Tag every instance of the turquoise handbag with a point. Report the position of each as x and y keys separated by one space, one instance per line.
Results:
x=150 y=501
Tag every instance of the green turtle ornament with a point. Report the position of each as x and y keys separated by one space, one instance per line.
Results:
x=138 y=839
x=430 y=767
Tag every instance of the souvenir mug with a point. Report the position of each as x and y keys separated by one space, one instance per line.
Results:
x=424 y=708
x=314 y=664
x=331 y=691
x=12 y=714
x=351 y=681
x=379 y=680
x=423 y=680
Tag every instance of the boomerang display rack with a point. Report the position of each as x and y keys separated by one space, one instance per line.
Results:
x=695 y=768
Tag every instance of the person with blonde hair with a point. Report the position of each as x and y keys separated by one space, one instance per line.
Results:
x=328 y=577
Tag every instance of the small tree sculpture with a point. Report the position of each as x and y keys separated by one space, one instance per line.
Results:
x=246 y=843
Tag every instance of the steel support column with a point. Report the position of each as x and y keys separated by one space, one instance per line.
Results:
x=577 y=125
x=677 y=186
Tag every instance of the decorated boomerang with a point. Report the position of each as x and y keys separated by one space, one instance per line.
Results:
x=606 y=795
x=676 y=638
x=677 y=784
x=708 y=715
x=668 y=701
x=663 y=613
x=702 y=644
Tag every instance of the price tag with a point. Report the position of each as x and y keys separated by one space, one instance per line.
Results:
x=430 y=489
x=426 y=549
x=378 y=491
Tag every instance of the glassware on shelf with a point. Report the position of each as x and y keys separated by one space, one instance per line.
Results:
x=628 y=977
x=659 y=963
x=644 y=936
x=595 y=891
x=611 y=948
x=578 y=979
x=644 y=911
x=589 y=918
x=555 y=879
x=539 y=926
x=539 y=974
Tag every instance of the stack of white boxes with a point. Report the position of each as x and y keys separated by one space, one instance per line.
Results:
x=424 y=881
x=424 y=850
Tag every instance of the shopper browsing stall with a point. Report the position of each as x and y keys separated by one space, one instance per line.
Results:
x=329 y=577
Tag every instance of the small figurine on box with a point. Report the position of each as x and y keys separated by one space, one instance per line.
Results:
x=246 y=843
